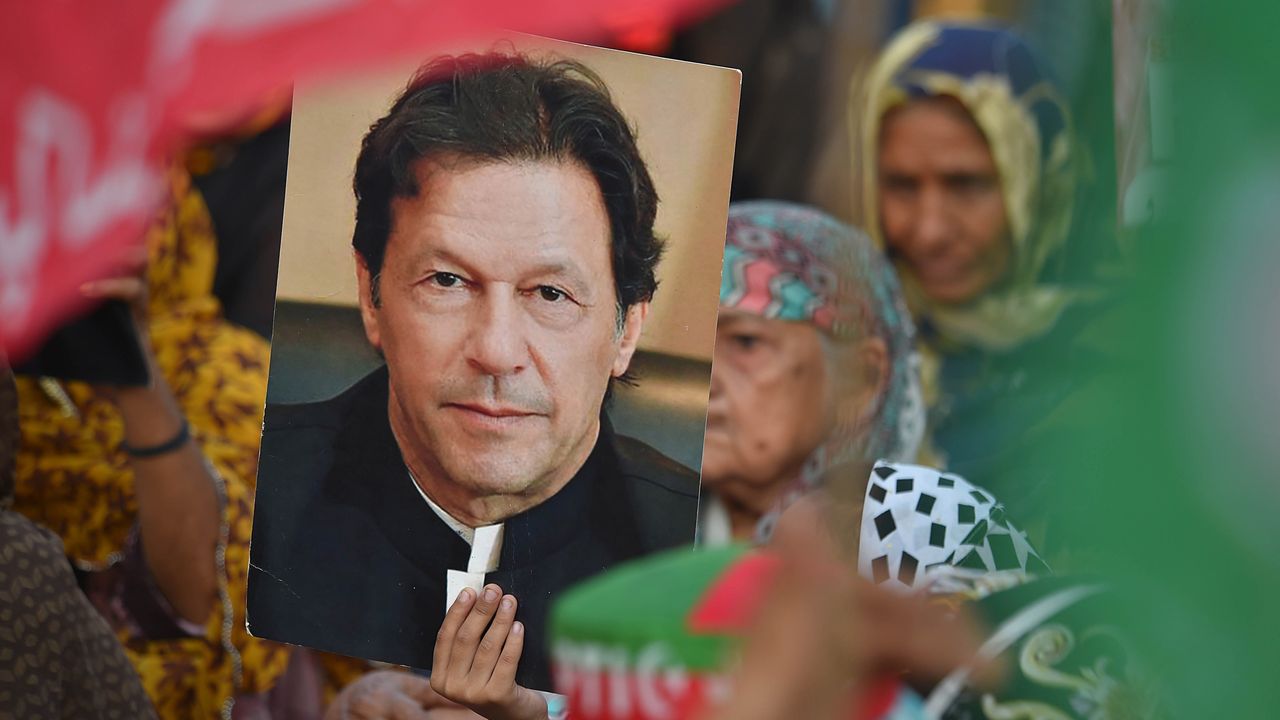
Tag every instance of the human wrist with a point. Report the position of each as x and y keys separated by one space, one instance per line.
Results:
x=151 y=417
x=176 y=441
x=525 y=704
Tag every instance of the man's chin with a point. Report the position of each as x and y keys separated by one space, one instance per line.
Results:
x=487 y=479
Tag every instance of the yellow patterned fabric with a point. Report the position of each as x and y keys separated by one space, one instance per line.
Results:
x=73 y=478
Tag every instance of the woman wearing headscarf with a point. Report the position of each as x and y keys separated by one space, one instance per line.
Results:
x=814 y=385
x=969 y=171
x=807 y=315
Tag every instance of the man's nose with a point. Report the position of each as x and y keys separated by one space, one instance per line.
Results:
x=497 y=340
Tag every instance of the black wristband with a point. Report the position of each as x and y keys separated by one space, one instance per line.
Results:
x=168 y=446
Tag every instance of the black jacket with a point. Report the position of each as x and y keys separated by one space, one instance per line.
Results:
x=348 y=558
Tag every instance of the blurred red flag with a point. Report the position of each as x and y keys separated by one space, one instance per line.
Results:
x=95 y=95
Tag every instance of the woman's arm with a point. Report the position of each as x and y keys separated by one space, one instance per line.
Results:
x=179 y=517
x=178 y=507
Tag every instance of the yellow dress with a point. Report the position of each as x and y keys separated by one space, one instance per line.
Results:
x=73 y=478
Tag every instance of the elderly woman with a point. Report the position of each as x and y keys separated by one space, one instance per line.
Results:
x=813 y=365
x=812 y=383
x=968 y=172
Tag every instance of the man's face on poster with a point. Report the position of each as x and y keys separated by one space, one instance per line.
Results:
x=498 y=319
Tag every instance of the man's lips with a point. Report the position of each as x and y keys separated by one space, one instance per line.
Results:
x=492 y=411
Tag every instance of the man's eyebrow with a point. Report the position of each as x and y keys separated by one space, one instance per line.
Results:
x=558 y=268
x=436 y=254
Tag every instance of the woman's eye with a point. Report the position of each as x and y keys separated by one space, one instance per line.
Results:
x=898 y=185
x=447 y=280
x=971 y=183
x=551 y=294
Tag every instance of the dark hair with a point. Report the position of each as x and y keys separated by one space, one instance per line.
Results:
x=498 y=107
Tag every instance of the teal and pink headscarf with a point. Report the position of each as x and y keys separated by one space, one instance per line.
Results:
x=790 y=262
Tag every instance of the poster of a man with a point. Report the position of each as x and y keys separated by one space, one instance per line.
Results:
x=509 y=261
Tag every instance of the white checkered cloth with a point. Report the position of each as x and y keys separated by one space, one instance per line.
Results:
x=922 y=528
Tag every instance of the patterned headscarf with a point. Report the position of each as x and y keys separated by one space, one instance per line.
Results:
x=1009 y=92
x=789 y=262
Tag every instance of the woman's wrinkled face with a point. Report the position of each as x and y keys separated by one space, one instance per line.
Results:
x=771 y=402
x=941 y=205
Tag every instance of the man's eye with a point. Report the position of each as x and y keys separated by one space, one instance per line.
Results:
x=447 y=280
x=550 y=294
x=745 y=342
